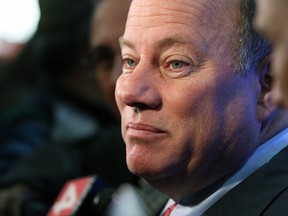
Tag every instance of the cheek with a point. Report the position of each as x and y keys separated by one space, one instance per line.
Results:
x=194 y=118
x=197 y=126
x=204 y=114
x=194 y=106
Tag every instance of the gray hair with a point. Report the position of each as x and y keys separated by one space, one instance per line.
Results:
x=252 y=47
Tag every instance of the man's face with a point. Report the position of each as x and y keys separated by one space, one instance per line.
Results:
x=271 y=20
x=186 y=114
x=107 y=26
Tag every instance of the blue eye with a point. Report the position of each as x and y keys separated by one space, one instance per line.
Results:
x=177 y=64
x=129 y=62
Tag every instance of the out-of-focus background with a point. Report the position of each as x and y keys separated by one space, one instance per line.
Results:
x=28 y=28
x=18 y=22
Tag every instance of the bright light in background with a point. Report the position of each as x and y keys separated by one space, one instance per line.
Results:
x=18 y=19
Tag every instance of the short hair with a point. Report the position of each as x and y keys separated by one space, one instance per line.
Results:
x=252 y=47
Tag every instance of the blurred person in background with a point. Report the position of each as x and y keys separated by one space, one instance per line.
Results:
x=33 y=184
x=69 y=96
x=271 y=20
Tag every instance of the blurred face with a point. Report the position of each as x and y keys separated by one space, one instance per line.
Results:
x=271 y=20
x=107 y=26
x=187 y=116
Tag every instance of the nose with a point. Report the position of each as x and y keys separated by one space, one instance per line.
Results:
x=139 y=89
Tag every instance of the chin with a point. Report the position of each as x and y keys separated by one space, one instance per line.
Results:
x=149 y=169
x=140 y=168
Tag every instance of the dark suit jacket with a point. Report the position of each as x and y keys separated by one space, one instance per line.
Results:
x=263 y=193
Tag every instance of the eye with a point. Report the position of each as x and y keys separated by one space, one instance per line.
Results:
x=177 y=64
x=129 y=64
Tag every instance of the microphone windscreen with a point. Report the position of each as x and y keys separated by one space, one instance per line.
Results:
x=76 y=197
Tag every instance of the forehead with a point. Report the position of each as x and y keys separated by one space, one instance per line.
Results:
x=161 y=9
x=203 y=7
x=204 y=19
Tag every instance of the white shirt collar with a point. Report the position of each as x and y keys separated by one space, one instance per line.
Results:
x=261 y=156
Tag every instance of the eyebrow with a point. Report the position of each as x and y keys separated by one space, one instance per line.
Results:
x=163 y=43
x=170 y=41
x=123 y=42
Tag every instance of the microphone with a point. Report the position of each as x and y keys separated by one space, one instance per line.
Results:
x=80 y=197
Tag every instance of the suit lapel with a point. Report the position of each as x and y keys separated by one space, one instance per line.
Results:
x=254 y=194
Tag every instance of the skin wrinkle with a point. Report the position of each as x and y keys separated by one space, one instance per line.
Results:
x=183 y=11
x=198 y=58
x=177 y=41
x=204 y=11
x=199 y=18
x=204 y=46
x=191 y=101
x=198 y=52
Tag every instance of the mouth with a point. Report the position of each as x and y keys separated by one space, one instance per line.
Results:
x=144 y=127
x=143 y=130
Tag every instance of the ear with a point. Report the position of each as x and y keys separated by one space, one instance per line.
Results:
x=265 y=105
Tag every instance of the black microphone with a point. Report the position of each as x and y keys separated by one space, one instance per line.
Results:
x=82 y=197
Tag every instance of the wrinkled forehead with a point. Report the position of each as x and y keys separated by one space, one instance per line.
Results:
x=206 y=18
x=216 y=13
x=155 y=10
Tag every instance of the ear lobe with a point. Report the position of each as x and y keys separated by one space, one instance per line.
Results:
x=265 y=105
